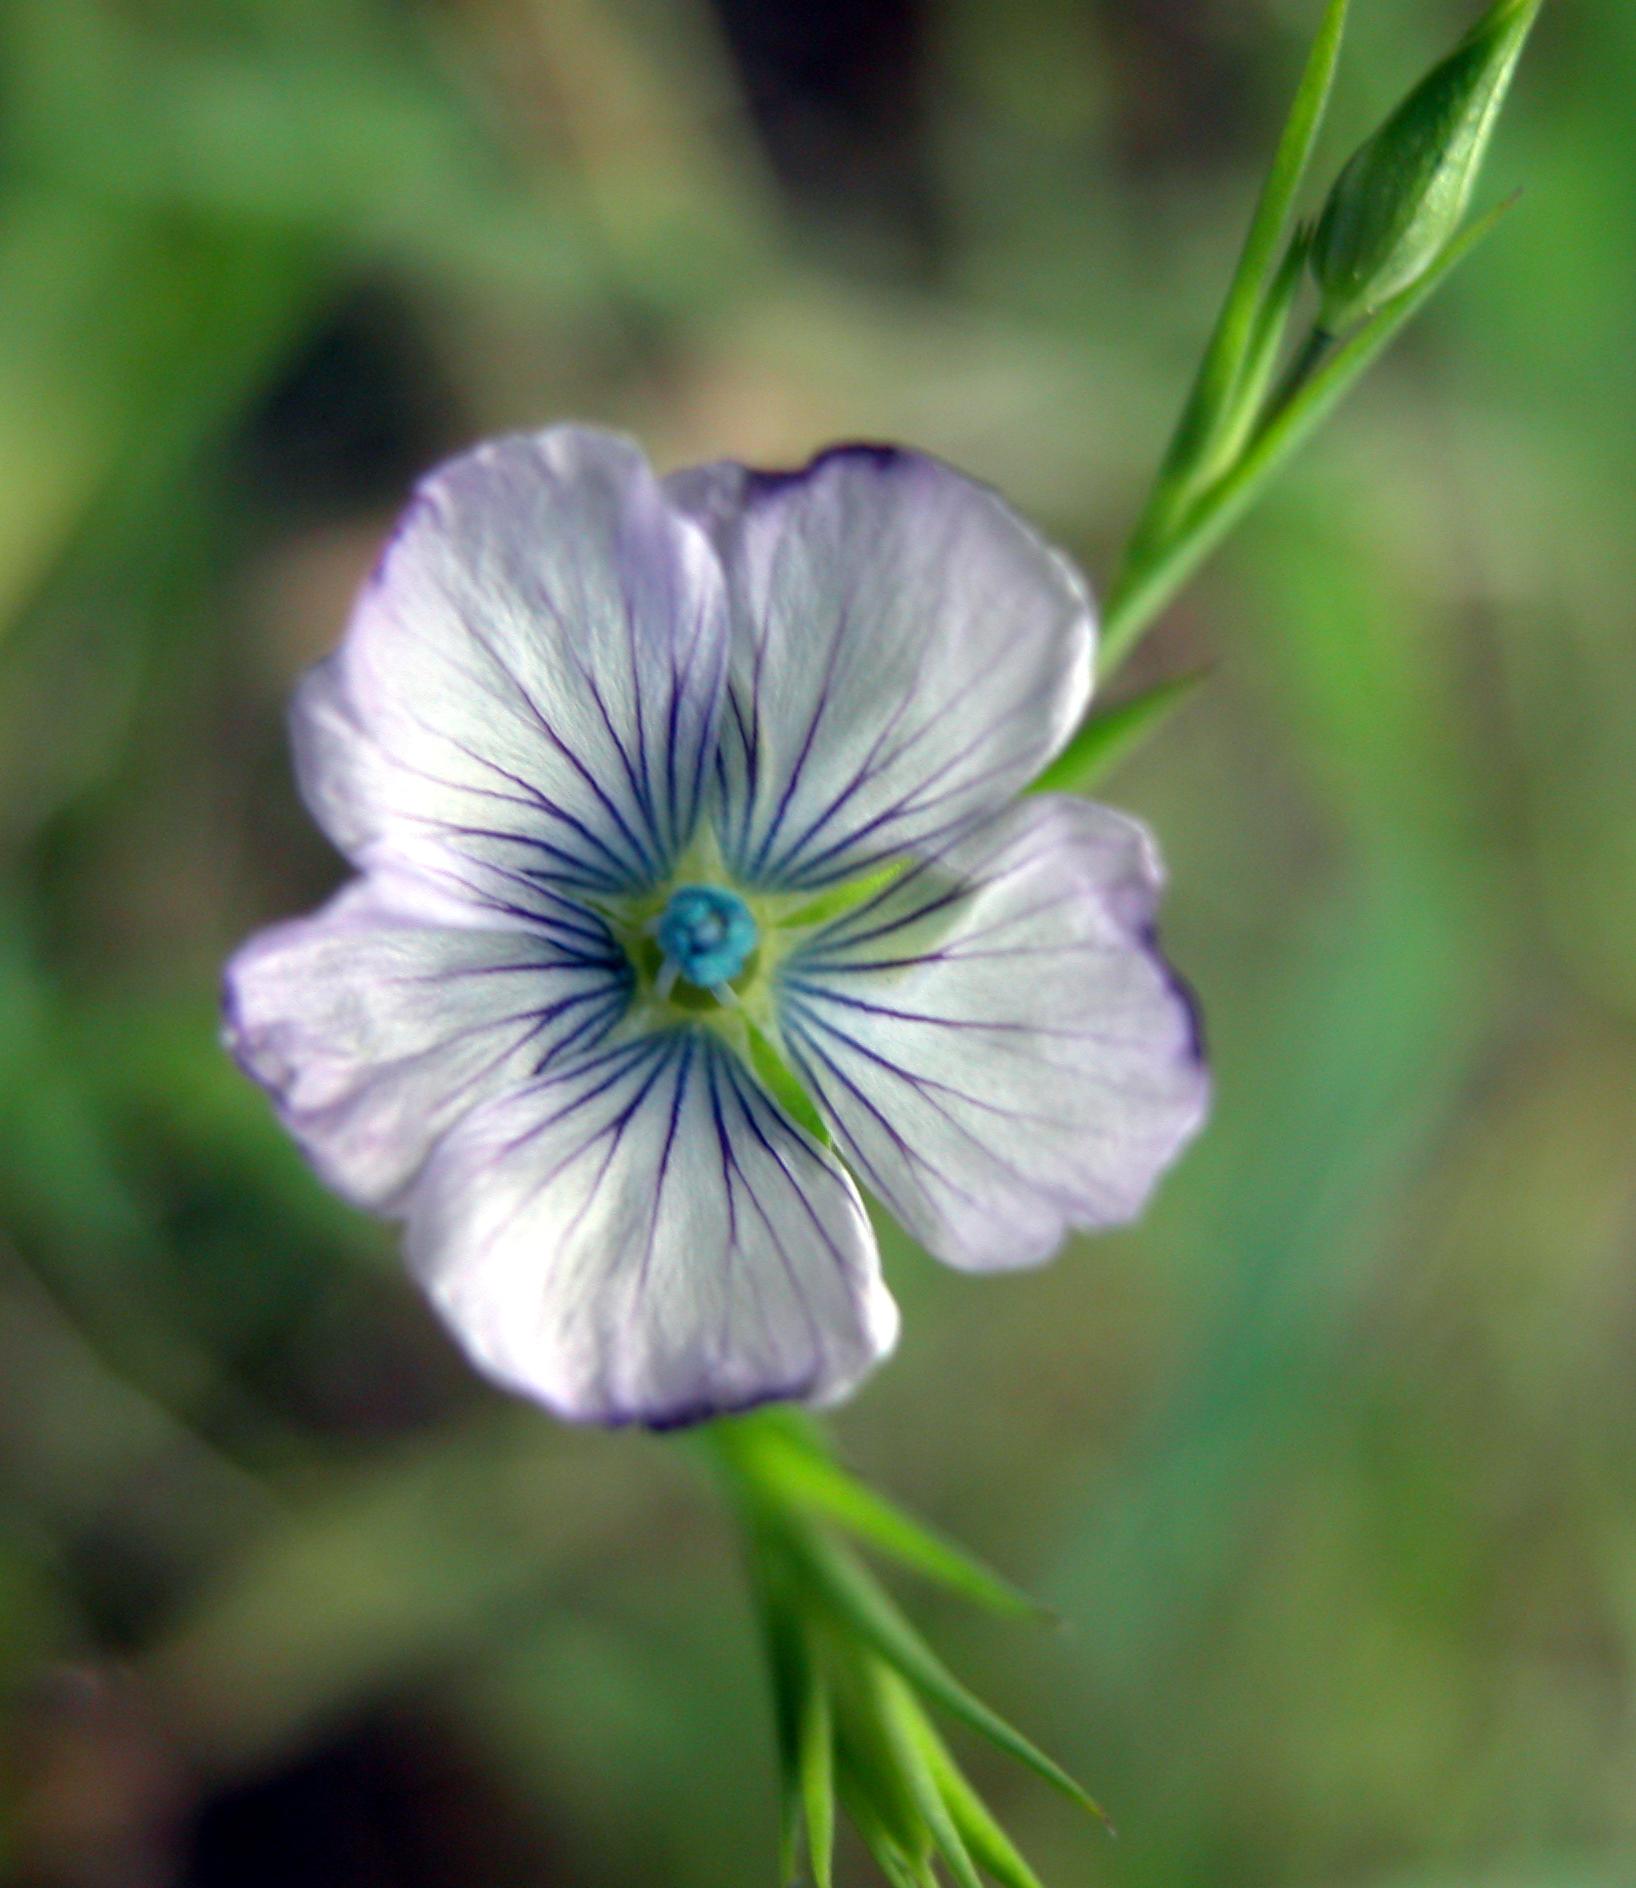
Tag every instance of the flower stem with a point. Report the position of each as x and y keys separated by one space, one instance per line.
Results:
x=1153 y=575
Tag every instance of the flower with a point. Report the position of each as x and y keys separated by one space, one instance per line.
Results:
x=691 y=875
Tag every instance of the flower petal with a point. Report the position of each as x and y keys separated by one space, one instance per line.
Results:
x=374 y=1026
x=906 y=654
x=999 y=1047
x=528 y=690
x=647 y=1237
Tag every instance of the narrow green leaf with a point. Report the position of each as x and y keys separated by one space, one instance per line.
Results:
x=816 y=1765
x=862 y=1606
x=1150 y=583
x=787 y=1666
x=901 y=1870
x=915 y=1874
x=809 y=1476
x=1115 y=734
x=1217 y=391
x=989 y=1844
x=898 y=1867
x=902 y=1719
x=789 y=1832
x=873 y=1788
x=801 y=1709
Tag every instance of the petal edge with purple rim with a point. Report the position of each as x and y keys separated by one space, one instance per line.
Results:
x=906 y=655
x=995 y=1040
x=528 y=690
x=374 y=1030
x=645 y=1236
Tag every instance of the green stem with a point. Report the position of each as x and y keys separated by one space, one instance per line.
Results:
x=1217 y=389
x=1153 y=575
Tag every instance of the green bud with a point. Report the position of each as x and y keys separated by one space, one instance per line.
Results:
x=1401 y=198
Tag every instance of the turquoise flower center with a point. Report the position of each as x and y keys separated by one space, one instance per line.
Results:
x=707 y=935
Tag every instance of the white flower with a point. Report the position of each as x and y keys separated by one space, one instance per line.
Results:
x=692 y=873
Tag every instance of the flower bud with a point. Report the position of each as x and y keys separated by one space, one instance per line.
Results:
x=1402 y=196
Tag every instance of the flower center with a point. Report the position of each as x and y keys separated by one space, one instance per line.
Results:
x=707 y=936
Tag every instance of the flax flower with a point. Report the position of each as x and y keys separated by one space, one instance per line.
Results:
x=694 y=890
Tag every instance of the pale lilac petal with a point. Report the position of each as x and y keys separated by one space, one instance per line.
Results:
x=375 y=1026
x=999 y=1047
x=646 y=1236
x=528 y=691
x=906 y=655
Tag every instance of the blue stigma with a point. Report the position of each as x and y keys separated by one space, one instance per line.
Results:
x=706 y=934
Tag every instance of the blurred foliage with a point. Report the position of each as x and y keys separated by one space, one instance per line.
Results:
x=1329 y=1467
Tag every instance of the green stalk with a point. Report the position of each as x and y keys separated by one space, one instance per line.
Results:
x=1218 y=393
x=1151 y=579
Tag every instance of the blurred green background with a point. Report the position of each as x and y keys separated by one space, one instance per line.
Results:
x=1329 y=1466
